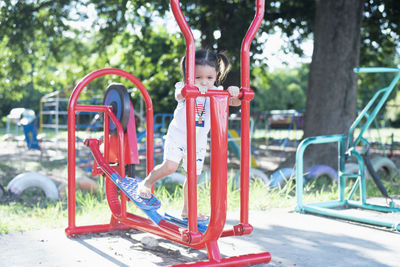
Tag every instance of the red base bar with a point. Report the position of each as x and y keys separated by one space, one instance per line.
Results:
x=244 y=260
x=99 y=228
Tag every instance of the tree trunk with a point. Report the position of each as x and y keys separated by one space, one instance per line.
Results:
x=332 y=88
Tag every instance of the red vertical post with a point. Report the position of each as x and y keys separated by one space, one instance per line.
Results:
x=248 y=94
x=191 y=164
x=189 y=92
x=149 y=139
x=71 y=168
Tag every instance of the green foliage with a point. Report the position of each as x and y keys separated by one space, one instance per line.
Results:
x=380 y=32
x=393 y=110
x=281 y=89
x=31 y=39
x=45 y=47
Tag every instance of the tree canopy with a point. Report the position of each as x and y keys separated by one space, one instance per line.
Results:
x=44 y=45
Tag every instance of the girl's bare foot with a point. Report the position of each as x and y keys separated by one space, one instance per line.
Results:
x=200 y=217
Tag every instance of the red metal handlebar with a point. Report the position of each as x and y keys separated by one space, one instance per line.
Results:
x=190 y=45
x=245 y=50
x=245 y=122
x=193 y=93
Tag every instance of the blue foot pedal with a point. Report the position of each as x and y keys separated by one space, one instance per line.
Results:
x=129 y=186
x=201 y=225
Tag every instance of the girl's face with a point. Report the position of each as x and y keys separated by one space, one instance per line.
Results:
x=205 y=76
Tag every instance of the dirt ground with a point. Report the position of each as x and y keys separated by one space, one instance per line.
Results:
x=292 y=239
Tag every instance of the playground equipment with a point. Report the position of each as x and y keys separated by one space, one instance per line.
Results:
x=285 y=119
x=347 y=150
x=234 y=139
x=281 y=128
x=119 y=150
x=234 y=143
x=14 y=116
x=161 y=122
x=53 y=113
x=25 y=118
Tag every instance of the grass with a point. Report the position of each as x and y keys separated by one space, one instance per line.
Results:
x=31 y=213
x=32 y=210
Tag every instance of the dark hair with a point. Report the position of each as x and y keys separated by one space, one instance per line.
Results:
x=205 y=57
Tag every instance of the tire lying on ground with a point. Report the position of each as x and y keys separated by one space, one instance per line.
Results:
x=319 y=171
x=351 y=168
x=281 y=177
x=83 y=183
x=2 y=192
x=86 y=184
x=385 y=165
x=32 y=179
x=380 y=164
x=255 y=174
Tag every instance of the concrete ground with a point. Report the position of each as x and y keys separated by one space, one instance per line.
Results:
x=292 y=239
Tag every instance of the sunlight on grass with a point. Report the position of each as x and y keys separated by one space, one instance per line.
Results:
x=18 y=217
x=93 y=208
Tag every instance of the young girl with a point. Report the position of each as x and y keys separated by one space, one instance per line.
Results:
x=210 y=68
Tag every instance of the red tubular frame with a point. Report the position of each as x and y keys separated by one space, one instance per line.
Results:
x=218 y=101
x=191 y=237
x=73 y=107
x=248 y=95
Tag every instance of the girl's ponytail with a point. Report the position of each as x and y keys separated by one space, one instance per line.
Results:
x=223 y=67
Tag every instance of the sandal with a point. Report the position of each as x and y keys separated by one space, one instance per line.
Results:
x=143 y=191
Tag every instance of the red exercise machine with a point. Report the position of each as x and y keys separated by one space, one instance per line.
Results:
x=119 y=156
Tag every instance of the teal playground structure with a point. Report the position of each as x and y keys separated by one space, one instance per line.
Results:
x=347 y=150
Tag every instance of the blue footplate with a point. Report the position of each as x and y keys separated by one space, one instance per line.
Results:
x=201 y=225
x=129 y=186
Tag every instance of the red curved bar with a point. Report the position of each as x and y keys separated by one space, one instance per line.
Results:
x=245 y=49
x=190 y=44
x=73 y=107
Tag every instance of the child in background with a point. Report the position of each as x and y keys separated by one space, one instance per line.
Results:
x=210 y=69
